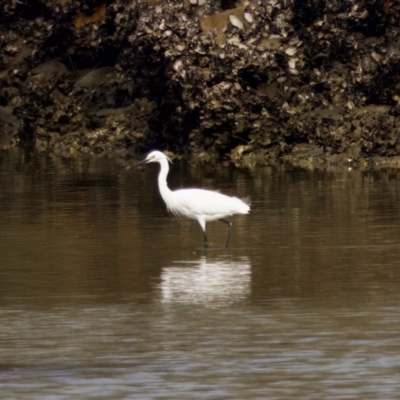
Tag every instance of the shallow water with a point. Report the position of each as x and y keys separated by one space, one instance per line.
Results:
x=104 y=295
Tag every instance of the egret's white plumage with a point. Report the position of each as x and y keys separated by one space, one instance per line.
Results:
x=202 y=205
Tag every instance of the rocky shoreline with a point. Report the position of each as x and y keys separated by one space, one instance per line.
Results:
x=250 y=82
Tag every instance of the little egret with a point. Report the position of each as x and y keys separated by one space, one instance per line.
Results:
x=202 y=205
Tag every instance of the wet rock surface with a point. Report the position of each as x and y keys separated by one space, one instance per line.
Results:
x=309 y=82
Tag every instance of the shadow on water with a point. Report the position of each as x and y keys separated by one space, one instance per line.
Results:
x=102 y=294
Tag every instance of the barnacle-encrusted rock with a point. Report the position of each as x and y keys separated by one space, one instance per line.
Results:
x=252 y=81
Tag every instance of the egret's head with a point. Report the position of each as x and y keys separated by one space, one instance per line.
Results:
x=154 y=156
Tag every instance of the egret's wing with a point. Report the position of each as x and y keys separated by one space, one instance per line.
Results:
x=206 y=203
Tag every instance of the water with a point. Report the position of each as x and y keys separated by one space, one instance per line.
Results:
x=103 y=295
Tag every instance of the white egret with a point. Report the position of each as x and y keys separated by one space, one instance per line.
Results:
x=202 y=205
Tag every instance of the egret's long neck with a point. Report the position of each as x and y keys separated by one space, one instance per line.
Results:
x=162 y=179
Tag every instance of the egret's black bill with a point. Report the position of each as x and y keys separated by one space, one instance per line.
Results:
x=137 y=164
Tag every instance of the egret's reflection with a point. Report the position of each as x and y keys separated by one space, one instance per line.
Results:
x=206 y=281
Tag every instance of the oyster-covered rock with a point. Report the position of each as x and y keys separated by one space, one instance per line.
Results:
x=245 y=80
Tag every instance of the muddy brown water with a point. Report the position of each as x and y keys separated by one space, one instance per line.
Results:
x=104 y=295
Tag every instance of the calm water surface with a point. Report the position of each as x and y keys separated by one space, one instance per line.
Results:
x=104 y=295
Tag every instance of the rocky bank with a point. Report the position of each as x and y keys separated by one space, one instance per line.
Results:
x=250 y=82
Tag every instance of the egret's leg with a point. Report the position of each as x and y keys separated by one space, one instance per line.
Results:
x=205 y=240
x=230 y=225
x=202 y=223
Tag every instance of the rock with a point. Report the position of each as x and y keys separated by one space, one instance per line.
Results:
x=248 y=81
x=9 y=127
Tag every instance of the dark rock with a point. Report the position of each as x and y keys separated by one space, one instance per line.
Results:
x=251 y=82
x=9 y=127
